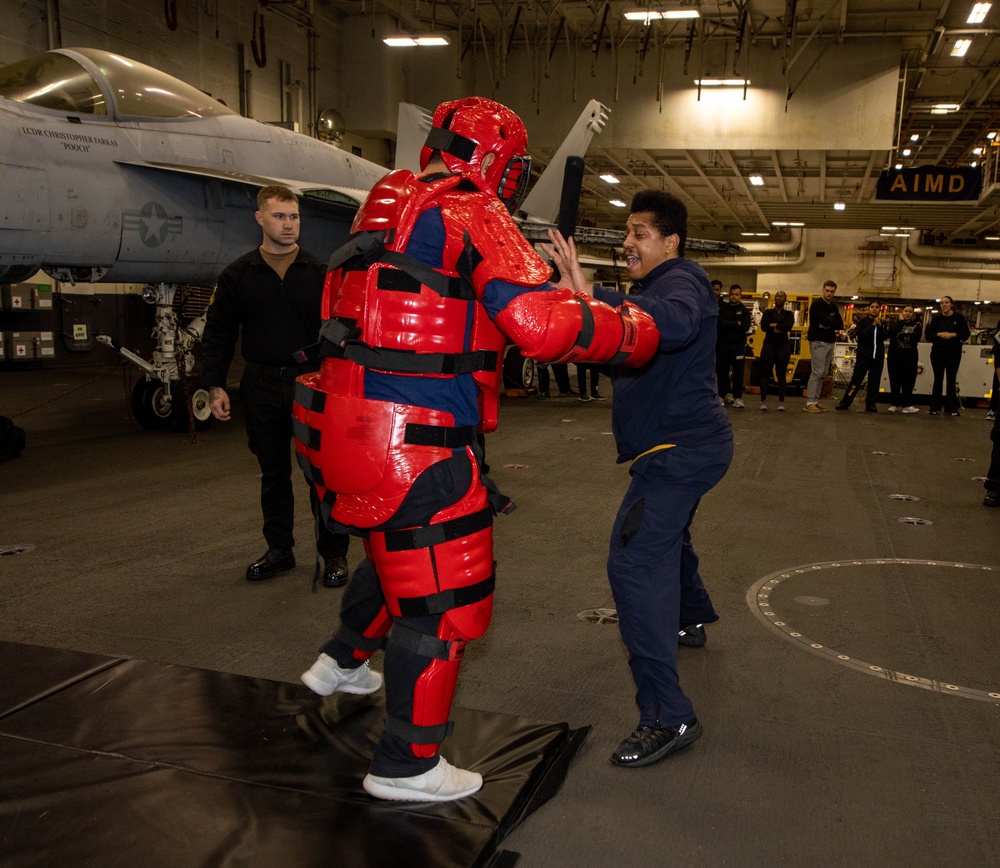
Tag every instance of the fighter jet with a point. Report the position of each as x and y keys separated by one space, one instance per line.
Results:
x=116 y=171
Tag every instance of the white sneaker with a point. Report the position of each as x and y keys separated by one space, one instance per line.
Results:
x=910 y=410
x=729 y=398
x=893 y=408
x=763 y=405
x=326 y=676
x=738 y=404
x=443 y=783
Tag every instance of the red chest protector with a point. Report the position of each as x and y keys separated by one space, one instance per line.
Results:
x=385 y=311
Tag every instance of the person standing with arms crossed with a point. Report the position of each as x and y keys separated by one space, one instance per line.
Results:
x=671 y=430
x=947 y=332
x=824 y=323
x=270 y=298
x=776 y=350
x=903 y=360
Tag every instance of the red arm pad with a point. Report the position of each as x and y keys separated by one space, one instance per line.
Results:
x=559 y=326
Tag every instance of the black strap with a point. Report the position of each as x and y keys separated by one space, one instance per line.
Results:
x=444 y=601
x=337 y=331
x=586 y=326
x=358 y=641
x=407 y=362
x=309 y=398
x=309 y=437
x=290 y=372
x=415 y=734
x=450 y=142
x=368 y=245
x=449 y=287
x=436 y=534
x=436 y=435
x=421 y=643
x=310 y=471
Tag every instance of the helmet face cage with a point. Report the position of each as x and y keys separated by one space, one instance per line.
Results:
x=466 y=130
x=514 y=182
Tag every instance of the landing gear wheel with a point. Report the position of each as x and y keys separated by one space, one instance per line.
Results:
x=152 y=404
x=156 y=408
x=518 y=371
x=201 y=406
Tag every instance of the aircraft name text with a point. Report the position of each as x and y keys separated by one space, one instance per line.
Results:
x=77 y=138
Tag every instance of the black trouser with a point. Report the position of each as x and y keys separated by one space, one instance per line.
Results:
x=995 y=394
x=774 y=356
x=902 y=376
x=729 y=359
x=581 y=377
x=945 y=361
x=864 y=364
x=992 y=482
x=267 y=405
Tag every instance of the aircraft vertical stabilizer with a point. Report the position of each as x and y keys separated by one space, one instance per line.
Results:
x=543 y=200
x=412 y=127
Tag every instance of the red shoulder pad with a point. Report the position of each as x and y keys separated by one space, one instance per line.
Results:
x=501 y=251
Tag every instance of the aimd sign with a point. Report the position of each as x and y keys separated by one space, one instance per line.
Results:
x=930 y=184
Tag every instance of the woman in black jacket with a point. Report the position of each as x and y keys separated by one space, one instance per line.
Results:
x=870 y=334
x=903 y=359
x=947 y=331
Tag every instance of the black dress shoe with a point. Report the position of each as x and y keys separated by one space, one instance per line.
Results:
x=992 y=498
x=335 y=572
x=272 y=562
x=650 y=744
x=693 y=636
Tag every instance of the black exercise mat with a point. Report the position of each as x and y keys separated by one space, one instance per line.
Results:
x=152 y=764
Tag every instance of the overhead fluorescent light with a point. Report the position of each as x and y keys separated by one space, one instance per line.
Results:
x=608 y=178
x=756 y=179
x=617 y=203
x=977 y=151
x=795 y=223
x=402 y=40
x=991 y=135
x=898 y=166
x=978 y=13
x=778 y=223
x=907 y=152
x=960 y=47
x=943 y=108
x=647 y=15
x=839 y=206
x=915 y=137
x=643 y=15
x=991 y=238
x=722 y=82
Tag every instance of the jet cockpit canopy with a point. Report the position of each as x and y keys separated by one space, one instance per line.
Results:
x=93 y=82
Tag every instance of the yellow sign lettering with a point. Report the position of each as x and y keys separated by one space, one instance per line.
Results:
x=898 y=183
x=934 y=184
x=956 y=183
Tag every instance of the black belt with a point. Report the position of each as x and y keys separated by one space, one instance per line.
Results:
x=275 y=373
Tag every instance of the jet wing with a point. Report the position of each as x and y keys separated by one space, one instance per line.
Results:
x=318 y=193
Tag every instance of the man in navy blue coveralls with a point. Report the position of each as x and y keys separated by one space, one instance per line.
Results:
x=669 y=424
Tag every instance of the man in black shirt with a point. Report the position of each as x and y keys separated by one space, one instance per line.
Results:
x=824 y=323
x=730 y=348
x=272 y=296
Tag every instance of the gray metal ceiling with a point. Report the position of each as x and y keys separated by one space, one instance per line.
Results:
x=799 y=185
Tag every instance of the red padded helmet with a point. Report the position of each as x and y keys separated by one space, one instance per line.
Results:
x=466 y=130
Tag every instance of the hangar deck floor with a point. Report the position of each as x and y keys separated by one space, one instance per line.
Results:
x=850 y=693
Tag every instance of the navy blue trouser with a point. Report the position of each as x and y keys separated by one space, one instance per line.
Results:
x=653 y=570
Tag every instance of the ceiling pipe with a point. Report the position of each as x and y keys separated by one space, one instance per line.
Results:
x=927 y=259
x=758 y=254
